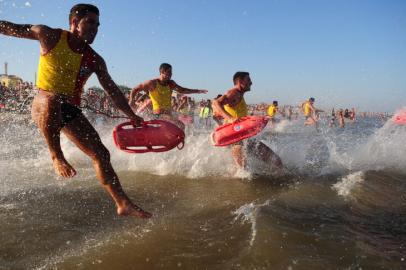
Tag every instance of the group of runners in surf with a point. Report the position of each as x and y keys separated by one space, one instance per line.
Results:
x=66 y=62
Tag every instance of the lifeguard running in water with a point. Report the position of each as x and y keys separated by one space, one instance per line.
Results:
x=272 y=110
x=310 y=112
x=231 y=106
x=66 y=62
x=160 y=92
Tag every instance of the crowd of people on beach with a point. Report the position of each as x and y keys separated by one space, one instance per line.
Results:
x=199 y=113
x=16 y=98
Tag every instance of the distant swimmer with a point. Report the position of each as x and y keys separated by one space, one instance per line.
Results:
x=347 y=113
x=341 y=122
x=332 y=119
x=160 y=92
x=231 y=106
x=310 y=112
x=352 y=115
x=289 y=112
x=66 y=62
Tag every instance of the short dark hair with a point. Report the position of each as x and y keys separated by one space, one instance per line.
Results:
x=81 y=10
x=164 y=66
x=239 y=75
x=275 y=102
x=311 y=99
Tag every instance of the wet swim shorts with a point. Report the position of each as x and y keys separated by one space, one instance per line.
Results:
x=68 y=113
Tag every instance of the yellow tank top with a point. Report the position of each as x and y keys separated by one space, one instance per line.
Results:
x=204 y=112
x=307 y=108
x=161 y=98
x=238 y=111
x=63 y=71
x=271 y=111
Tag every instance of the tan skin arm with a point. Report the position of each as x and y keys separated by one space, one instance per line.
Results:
x=146 y=87
x=184 y=90
x=319 y=111
x=27 y=31
x=232 y=97
x=114 y=92
x=48 y=37
x=312 y=108
x=150 y=85
x=133 y=94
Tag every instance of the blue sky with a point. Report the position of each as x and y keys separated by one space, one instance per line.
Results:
x=345 y=53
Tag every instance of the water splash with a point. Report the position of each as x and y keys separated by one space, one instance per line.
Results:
x=362 y=146
x=249 y=213
x=348 y=183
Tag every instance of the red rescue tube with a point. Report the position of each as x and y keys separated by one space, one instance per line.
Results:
x=400 y=118
x=241 y=129
x=151 y=136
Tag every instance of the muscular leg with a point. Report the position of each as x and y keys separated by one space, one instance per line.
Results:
x=46 y=113
x=238 y=155
x=82 y=133
x=311 y=121
x=265 y=153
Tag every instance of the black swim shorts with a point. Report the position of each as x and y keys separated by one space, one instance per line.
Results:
x=68 y=113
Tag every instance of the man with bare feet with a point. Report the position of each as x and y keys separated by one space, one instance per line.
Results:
x=66 y=62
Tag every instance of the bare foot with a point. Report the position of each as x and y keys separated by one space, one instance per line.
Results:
x=133 y=210
x=63 y=168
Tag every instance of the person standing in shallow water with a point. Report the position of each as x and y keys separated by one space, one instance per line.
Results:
x=66 y=62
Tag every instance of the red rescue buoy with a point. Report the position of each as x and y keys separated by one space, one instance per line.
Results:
x=151 y=136
x=400 y=117
x=241 y=129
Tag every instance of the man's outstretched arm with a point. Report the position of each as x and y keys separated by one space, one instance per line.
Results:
x=141 y=87
x=184 y=90
x=19 y=30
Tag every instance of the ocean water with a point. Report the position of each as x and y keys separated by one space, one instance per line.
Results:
x=340 y=203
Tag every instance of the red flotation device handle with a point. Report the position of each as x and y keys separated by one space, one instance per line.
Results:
x=400 y=117
x=150 y=136
x=239 y=130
